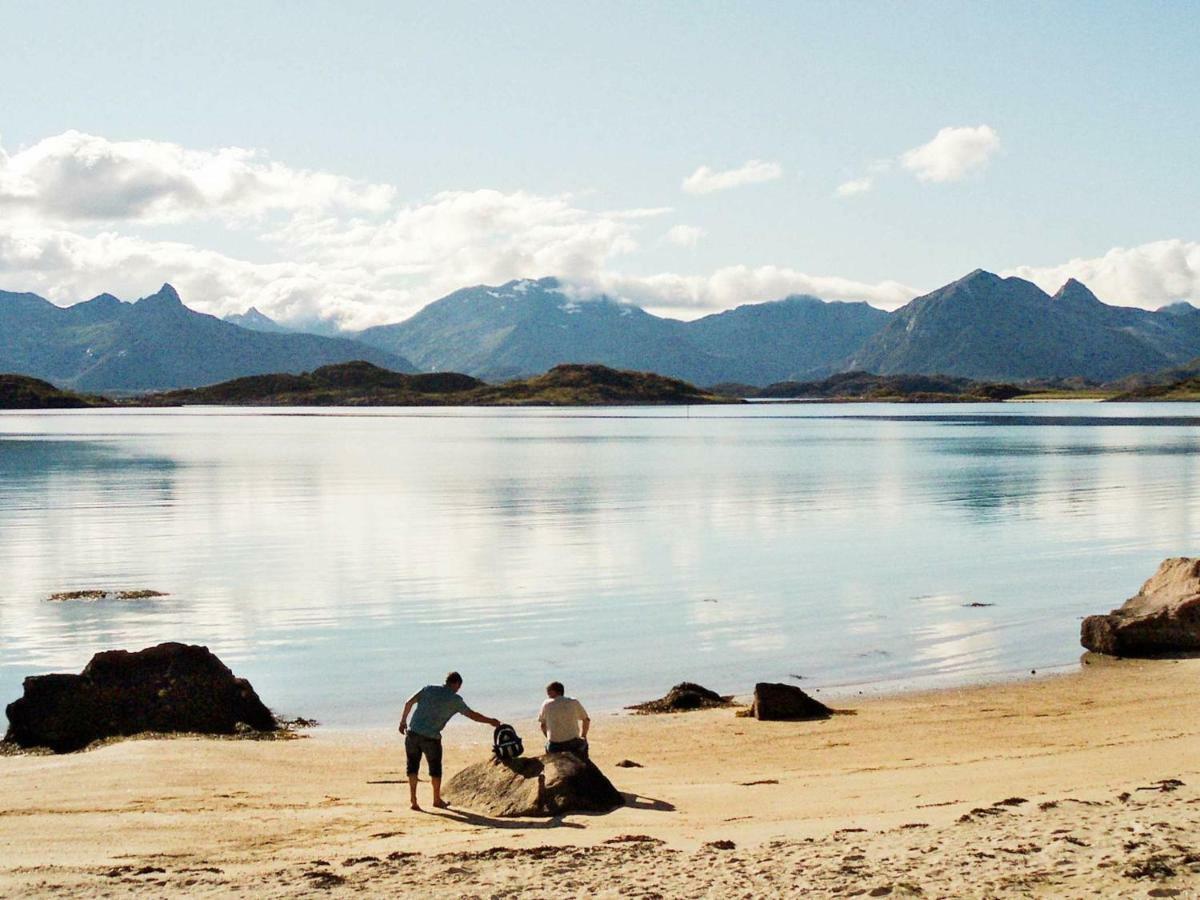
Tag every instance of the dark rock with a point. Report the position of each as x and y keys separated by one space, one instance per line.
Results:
x=686 y=695
x=168 y=688
x=549 y=785
x=628 y=764
x=785 y=702
x=1163 y=617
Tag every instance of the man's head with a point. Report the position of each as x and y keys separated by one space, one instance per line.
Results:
x=454 y=681
x=555 y=689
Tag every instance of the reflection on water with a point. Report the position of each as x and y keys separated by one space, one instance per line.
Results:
x=340 y=558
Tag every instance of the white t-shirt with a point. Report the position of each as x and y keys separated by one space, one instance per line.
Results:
x=562 y=716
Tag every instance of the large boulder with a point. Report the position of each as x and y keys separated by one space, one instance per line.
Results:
x=168 y=688
x=1163 y=617
x=550 y=785
x=785 y=702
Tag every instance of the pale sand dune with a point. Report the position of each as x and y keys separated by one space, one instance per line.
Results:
x=157 y=816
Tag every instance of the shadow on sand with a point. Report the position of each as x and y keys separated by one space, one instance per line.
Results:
x=481 y=821
x=632 y=801
x=636 y=801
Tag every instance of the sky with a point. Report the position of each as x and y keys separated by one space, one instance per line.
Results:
x=347 y=163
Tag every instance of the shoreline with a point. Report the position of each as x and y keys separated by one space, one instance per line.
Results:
x=956 y=791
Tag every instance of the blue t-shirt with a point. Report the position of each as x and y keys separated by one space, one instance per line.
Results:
x=436 y=704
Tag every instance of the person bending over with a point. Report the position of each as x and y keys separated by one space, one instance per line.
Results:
x=564 y=722
x=436 y=705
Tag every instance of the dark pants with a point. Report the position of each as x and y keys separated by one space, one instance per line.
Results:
x=416 y=746
x=578 y=746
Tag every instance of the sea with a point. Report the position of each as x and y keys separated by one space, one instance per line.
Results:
x=342 y=558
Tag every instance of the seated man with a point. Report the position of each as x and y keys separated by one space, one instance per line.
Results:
x=436 y=705
x=564 y=722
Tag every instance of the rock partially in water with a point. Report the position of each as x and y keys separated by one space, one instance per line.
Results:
x=685 y=696
x=1163 y=617
x=169 y=688
x=786 y=702
x=549 y=785
x=93 y=594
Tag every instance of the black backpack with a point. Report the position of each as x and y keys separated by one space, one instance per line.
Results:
x=506 y=743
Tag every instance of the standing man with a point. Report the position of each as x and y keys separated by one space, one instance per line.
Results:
x=436 y=705
x=564 y=722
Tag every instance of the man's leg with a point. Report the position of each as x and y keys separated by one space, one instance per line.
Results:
x=412 y=753
x=433 y=753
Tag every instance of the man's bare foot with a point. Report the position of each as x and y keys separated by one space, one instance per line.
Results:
x=441 y=804
x=415 y=806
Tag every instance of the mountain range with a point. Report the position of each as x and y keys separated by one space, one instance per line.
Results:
x=525 y=327
x=155 y=343
x=983 y=327
x=991 y=328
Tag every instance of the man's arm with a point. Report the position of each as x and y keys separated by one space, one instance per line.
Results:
x=479 y=717
x=407 y=709
x=584 y=721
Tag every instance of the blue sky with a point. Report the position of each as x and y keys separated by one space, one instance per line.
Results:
x=396 y=151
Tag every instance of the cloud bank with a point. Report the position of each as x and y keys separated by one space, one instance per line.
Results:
x=1149 y=275
x=81 y=177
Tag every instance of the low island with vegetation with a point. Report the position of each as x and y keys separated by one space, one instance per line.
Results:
x=364 y=384
x=23 y=392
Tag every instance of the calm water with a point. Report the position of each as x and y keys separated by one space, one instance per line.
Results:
x=340 y=559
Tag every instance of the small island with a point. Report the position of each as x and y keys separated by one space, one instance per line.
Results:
x=23 y=392
x=365 y=384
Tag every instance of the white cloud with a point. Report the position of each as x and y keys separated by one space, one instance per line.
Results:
x=1149 y=275
x=855 y=186
x=706 y=180
x=81 y=177
x=674 y=294
x=684 y=235
x=952 y=154
x=354 y=273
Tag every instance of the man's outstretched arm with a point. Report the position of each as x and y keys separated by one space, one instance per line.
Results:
x=407 y=709
x=479 y=717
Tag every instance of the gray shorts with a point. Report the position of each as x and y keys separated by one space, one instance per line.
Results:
x=416 y=746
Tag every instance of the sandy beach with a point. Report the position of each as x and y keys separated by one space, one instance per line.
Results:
x=1074 y=785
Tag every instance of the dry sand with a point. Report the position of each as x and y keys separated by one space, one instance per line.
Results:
x=1085 y=784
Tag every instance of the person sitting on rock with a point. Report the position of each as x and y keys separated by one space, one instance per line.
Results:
x=564 y=722
x=436 y=705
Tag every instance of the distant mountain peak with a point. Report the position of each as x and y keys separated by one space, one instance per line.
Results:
x=165 y=296
x=256 y=320
x=103 y=300
x=978 y=278
x=1077 y=294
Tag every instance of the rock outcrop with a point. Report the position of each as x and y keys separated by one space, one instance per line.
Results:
x=684 y=696
x=785 y=702
x=167 y=688
x=1163 y=617
x=549 y=785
